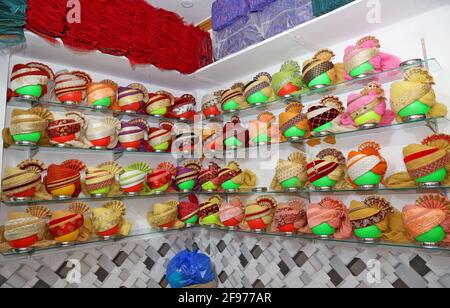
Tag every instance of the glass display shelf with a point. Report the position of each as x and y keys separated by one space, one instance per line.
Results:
x=93 y=241
x=305 y=193
x=174 y=194
x=312 y=96
x=383 y=190
x=432 y=123
x=34 y=149
x=87 y=110
x=313 y=238
x=162 y=232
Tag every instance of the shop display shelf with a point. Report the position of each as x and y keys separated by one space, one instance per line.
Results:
x=305 y=193
x=445 y=248
x=309 y=237
x=312 y=96
x=174 y=194
x=382 y=190
x=88 y=111
x=92 y=242
x=34 y=149
x=432 y=123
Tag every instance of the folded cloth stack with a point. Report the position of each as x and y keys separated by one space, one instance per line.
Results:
x=12 y=19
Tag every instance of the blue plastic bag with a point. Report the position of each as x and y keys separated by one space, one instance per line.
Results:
x=189 y=268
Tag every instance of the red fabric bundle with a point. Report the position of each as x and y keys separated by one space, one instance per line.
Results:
x=146 y=35
x=144 y=39
x=46 y=18
x=84 y=35
x=117 y=18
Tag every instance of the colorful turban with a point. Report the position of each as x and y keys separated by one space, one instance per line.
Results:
x=162 y=175
x=212 y=137
x=232 y=213
x=372 y=211
x=60 y=178
x=189 y=171
x=66 y=130
x=234 y=133
x=71 y=86
x=109 y=220
x=209 y=211
x=368 y=107
x=160 y=138
x=133 y=97
x=208 y=174
x=134 y=177
x=133 y=133
x=183 y=108
x=259 y=90
x=294 y=166
x=261 y=129
x=102 y=176
x=290 y=217
x=366 y=159
x=30 y=74
x=211 y=105
x=188 y=209
x=333 y=212
x=20 y=228
x=429 y=212
x=415 y=94
x=293 y=117
x=424 y=159
x=65 y=225
x=24 y=179
x=34 y=120
x=243 y=179
x=102 y=133
x=102 y=93
x=365 y=57
x=233 y=98
x=320 y=70
x=165 y=215
x=328 y=162
x=288 y=81
x=259 y=213
x=329 y=109
x=159 y=102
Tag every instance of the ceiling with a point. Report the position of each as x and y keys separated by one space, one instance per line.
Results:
x=196 y=14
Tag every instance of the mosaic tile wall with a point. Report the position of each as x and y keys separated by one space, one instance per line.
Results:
x=243 y=260
x=240 y=260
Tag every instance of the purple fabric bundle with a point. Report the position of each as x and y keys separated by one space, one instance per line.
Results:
x=258 y=5
x=283 y=15
x=226 y=12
